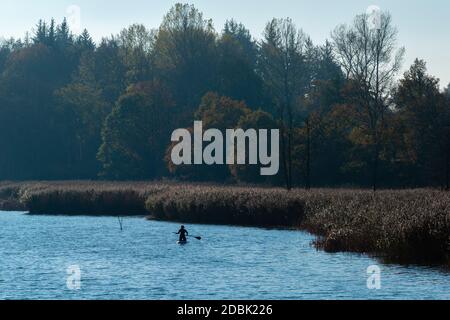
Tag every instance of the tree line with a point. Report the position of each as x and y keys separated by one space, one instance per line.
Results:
x=71 y=108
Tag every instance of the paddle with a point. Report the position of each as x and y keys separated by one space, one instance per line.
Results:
x=198 y=238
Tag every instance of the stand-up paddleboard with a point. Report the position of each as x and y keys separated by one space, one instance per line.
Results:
x=182 y=242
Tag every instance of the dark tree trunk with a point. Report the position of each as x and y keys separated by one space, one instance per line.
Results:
x=283 y=156
x=289 y=161
x=375 y=167
x=308 y=155
x=289 y=151
x=447 y=171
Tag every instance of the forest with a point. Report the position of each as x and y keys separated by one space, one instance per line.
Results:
x=74 y=109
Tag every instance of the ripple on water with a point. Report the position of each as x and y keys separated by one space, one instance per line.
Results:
x=144 y=262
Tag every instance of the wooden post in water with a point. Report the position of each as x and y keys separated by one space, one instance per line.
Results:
x=120 y=223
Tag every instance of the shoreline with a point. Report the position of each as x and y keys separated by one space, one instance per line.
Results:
x=11 y=205
x=402 y=226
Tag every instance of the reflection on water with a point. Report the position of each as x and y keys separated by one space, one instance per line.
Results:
x=40 y=254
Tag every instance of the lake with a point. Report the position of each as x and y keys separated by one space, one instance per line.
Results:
x=39 y=254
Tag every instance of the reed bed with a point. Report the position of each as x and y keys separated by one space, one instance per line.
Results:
x=9 y=196
x=399 y=225
x=82 y=197
x=402 y=226
x=227 y=205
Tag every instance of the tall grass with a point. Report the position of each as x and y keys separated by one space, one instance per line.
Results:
x=9 y=196
x=404 y=226
x=83 y=197
x=227 y=205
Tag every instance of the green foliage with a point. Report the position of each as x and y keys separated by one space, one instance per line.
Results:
x=136 y=45
x=136 y=133
x=71 y=108
x=82 y=109
x=219 y=113
x=237 y=62
x=426 y=142
x=185 y=54
x=252 y=173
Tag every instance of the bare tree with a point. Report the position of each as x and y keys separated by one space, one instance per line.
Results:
x=281 y=65
x=370 y=58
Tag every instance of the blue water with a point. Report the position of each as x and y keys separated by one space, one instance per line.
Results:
x=145 y=262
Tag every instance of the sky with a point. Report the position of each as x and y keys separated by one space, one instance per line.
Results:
x=424 y=26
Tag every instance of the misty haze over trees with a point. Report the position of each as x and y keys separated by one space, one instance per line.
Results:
x=74 y=109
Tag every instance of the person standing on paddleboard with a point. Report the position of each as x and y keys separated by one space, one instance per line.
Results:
x=183 y=234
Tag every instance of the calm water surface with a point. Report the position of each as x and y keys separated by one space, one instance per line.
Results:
x=144 y=262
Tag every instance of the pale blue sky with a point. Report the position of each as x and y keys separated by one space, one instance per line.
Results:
x=424 y=26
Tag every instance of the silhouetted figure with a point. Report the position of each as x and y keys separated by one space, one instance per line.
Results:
x=183 y=234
